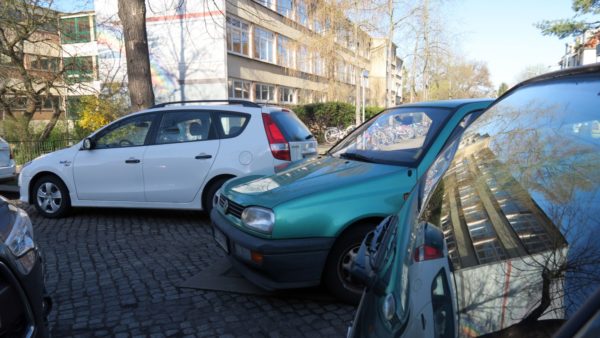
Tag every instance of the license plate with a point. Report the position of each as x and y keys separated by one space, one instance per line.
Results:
x=221 y=239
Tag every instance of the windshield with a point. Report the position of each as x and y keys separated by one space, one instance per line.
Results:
x=291 y=126
x=397 y=136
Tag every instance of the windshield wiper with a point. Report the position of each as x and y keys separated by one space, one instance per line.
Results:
x=356 y=157
x=309 y=137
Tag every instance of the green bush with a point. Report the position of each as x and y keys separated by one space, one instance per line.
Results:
x=319 y=116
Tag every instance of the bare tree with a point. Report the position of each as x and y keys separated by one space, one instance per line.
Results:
x=30 y=68
x=132 y=14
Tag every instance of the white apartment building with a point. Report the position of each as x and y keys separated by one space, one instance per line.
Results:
x=264 y=50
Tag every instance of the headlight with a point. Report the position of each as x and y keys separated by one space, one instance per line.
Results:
x=259 y=219
x=20 y=242
x=20 y=239
x=216 y=198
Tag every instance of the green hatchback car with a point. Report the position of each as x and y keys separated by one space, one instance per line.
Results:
x=303 y=225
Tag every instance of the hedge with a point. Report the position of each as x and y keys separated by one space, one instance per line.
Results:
x=319 y=116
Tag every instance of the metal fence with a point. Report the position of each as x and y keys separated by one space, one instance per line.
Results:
x=25 y=151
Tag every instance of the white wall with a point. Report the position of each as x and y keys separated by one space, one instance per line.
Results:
x=186 y=44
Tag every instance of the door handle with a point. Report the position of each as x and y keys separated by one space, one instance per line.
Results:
x=203 y=157
x=132 y=160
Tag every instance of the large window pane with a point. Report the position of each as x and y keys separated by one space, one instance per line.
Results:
x=263 y=44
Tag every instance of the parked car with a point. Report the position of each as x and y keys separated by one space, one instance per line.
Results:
x=25 y=304
x=500 y=235
x=168 y=157
x=7 y=164
x=303 y=225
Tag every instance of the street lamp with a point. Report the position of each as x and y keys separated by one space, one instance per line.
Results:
x=365 y=77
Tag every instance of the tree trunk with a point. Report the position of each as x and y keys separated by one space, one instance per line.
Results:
x=544 y=301
x=51 y=124
x=133 y=18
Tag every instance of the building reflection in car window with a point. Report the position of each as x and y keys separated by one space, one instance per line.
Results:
x=519 y=209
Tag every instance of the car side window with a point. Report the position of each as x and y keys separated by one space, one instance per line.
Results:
x=128 y=133
x=441 y=302
x=185 y=126
x=233 y=124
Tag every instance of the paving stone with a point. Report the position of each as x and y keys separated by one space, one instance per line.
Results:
x=114 y=272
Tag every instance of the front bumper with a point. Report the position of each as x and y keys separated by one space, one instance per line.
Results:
x=286 y=263
x=26 y=316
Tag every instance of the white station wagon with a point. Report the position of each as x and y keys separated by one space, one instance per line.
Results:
x=167 y=157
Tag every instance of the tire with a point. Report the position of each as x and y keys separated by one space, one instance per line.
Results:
x=207 y=201
x=51 y=197
x=331 y=135
x=336 y=275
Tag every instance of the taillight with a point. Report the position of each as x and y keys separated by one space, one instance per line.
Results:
x=277 y=142
x=10 y=153
x=426 y=252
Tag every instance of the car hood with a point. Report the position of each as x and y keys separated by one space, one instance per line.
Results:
x=322 y=174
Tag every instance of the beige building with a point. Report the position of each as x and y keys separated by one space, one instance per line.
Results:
x=385 y=74
x=265 y=50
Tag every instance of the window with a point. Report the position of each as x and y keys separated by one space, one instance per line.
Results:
x=129 y=133
x=75 y=30
x=302 y=13
x=263 y=44
x=266 y=3
x=284 y=7
x=303 y=59
x=185 y=126
x=237 y=36
x=233 y=124
x=441 y=301
x=318 y=64
x=239 y=89
x=45 y=63
x=264 y=92
x=285 y=53
x=79 y=69
x=286 y=95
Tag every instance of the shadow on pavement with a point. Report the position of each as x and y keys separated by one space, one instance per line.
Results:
x=221 y=277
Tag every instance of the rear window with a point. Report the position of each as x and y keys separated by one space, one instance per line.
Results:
x=290 y=125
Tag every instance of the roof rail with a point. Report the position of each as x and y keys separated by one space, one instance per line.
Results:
x=244 y=103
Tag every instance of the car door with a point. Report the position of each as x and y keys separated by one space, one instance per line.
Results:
x=182 y=153
x=112 y=169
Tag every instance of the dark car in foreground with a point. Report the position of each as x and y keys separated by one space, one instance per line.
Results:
x=23 y=303
x=500 y=236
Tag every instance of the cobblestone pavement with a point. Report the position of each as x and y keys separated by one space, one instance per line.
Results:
x=114 y=272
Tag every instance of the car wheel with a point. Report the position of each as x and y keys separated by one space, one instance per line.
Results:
x=207 y=202
x=51 y=197
x=337 y=276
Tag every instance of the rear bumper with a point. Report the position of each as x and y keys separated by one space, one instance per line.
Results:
x=26 y=317
x=9 y=171
x=286 y=263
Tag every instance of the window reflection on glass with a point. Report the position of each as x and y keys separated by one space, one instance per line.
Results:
x=128 y=134
x=396 y=136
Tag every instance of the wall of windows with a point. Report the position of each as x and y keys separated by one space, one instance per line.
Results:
x=44 y=63
x=247 y=90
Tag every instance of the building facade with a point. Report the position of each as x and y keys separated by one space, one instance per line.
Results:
x=272 y=51
x=584 y=50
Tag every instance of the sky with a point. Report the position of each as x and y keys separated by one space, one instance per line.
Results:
x=502 y=33
x=498 y=32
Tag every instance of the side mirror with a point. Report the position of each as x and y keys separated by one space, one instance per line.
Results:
x=361 y=268
x=88 y=144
